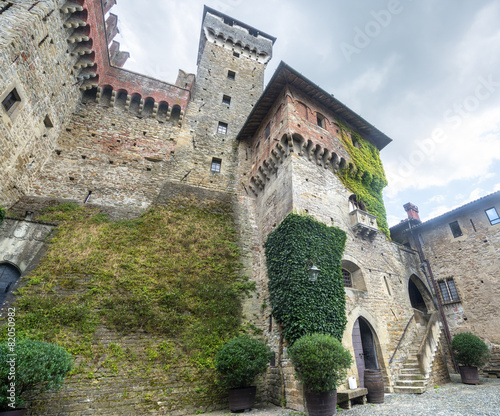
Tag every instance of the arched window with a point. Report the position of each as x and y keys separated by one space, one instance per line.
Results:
x=121 y=99
x=149 y=104
x=162 y=111
x=8 y=276
x=352 y=275
x=176 y=114
x=106 y=95
x=135 y=103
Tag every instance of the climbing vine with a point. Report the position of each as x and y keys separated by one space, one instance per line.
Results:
x=2 y=214
x=365 y=175
x=303 y=306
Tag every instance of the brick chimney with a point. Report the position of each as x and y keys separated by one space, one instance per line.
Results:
x=412 y=211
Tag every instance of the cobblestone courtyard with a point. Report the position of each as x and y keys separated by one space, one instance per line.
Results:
x=452 y=399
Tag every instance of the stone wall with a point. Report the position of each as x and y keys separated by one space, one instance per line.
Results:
x=471 y=261
x=33 y=61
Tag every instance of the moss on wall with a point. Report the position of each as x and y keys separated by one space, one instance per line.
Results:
x=365 y=175
x=173 y=273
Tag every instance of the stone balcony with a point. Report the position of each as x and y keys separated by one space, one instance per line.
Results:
x=363 y=224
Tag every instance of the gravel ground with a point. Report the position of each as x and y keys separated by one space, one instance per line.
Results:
x=452 y=399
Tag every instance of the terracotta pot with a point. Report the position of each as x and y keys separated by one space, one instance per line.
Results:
x=241 y=398
x=321 y=404
x=470 y=375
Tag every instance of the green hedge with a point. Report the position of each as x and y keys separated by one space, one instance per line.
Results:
x=303 y=306
x=38 y=366
x=321 y=362
x=241 y=360
x=469 y=350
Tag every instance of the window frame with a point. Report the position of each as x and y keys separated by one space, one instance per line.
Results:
x=494 y=220
x=455 y=231
x=231 y=74
x=11 y=101
x=346 y=272
x=449 y=285
x=216 y=165
x=226 y=99
x=222 y=128
x=320 y=120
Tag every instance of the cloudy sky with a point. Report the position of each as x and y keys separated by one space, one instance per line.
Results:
x=426 y=73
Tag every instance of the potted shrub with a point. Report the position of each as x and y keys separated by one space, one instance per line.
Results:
x=321 y=363
x=238 y=362
x=37 y=367
x=470 y=352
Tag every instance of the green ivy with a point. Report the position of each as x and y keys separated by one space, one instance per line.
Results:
x=2 y=214
x=303 y=306
x=365 y=175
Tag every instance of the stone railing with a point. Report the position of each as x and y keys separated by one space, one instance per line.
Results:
x=429 y=344
x=363 y=223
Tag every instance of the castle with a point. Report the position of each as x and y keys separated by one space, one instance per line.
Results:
x=78 y=127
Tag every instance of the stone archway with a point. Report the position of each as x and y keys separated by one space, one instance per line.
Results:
x=9 y=274
x=420 y=296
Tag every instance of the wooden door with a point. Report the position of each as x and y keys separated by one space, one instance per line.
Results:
x=358 y=352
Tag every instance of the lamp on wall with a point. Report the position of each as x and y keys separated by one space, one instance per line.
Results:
x=313 y=273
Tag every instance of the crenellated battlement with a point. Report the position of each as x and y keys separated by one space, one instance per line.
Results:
x=235 y=36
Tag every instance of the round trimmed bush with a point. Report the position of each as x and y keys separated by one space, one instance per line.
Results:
x=241 y=360
x=321 y=362
x=469 y=350
x=39 y=366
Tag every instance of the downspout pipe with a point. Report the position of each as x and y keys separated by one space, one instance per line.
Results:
x=427 y=265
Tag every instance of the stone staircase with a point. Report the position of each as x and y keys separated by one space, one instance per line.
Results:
x=411 y=379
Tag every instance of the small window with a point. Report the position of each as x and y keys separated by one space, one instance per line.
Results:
x=455 y=229
x=236 y=54
x=320 y=119
x=48 y=122
x=448 y=291
x=226 y=99
x=231 y=74
x=11 y=100
x=216 y=164
x=492 y=215
x=222 y=128
x=268 y=130
x=346 y=275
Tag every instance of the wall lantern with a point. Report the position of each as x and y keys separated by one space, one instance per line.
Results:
x=313 y=273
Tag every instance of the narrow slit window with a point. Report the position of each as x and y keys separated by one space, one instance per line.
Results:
x=320 y=120
x=268 y=130
x=455 y=229
x=222 y=128
x=216 y=165
x=492 y=215
x=48 y=122
x=11 y=100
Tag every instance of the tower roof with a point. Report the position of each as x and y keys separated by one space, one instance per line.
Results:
x=284 y=75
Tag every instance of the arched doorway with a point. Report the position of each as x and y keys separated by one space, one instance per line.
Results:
x=416 y=299
x=8 y=276
x=420 y=297
x=365 y=352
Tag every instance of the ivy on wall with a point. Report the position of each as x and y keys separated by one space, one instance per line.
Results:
x=365 y=175
x=303 y=306
x=2 y=214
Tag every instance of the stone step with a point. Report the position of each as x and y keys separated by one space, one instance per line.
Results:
x=411 y=376
x=409 y=390
x=410 y=383
x=410 y=371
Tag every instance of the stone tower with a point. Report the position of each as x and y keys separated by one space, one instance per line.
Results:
x=232 y=58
